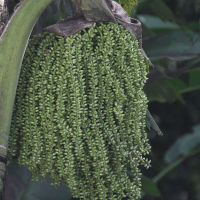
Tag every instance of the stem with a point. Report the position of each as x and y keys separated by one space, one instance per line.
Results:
x=26 y=190
x=173 y=165
x=168 y=169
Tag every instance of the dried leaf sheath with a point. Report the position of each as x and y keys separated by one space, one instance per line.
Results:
x=83 y=111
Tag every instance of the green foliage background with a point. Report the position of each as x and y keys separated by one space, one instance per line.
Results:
x=171 y=40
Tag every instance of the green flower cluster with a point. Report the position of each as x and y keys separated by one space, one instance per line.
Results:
x=80 y=112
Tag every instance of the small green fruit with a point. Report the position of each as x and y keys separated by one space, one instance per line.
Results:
x=80 y=111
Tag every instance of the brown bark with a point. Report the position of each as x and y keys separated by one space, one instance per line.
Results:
x=91 y=11
x=96 y=10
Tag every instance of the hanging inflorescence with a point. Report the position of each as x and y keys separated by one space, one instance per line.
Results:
x=80 y=111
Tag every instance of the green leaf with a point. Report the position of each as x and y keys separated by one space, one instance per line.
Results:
x=146 y=32
x=178 y=84
x=176 y=45
x=160 y=90
x=193 y=26
x=184 y=145
x=128 y=5
x=167 y=169
x=169 y=85
x=156 y=24
x=187 y=82
x=13 y=43
x=194 y=78
x=149 y=187
x=160 y=9
x=20 y=187
x=151 y=123
x=134 y=11
x=181 y=70
x=143 y=4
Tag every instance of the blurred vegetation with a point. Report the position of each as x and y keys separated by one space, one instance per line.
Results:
x=171 y=39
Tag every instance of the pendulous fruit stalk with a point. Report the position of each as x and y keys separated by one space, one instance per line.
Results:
x=80 y=111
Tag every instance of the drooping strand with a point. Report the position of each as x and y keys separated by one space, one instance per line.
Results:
x=18 y=106
x=86 y=118
x=47 y=106
x=122 y=176
x=37 y=135
x=29 y=120
x=80 y=111
x=59 y=114
x=120 y=172
x=106 y=133
x=100 y=157
x=68 y=152
x=75 y=122
x=132 y=87
x=108 y=73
